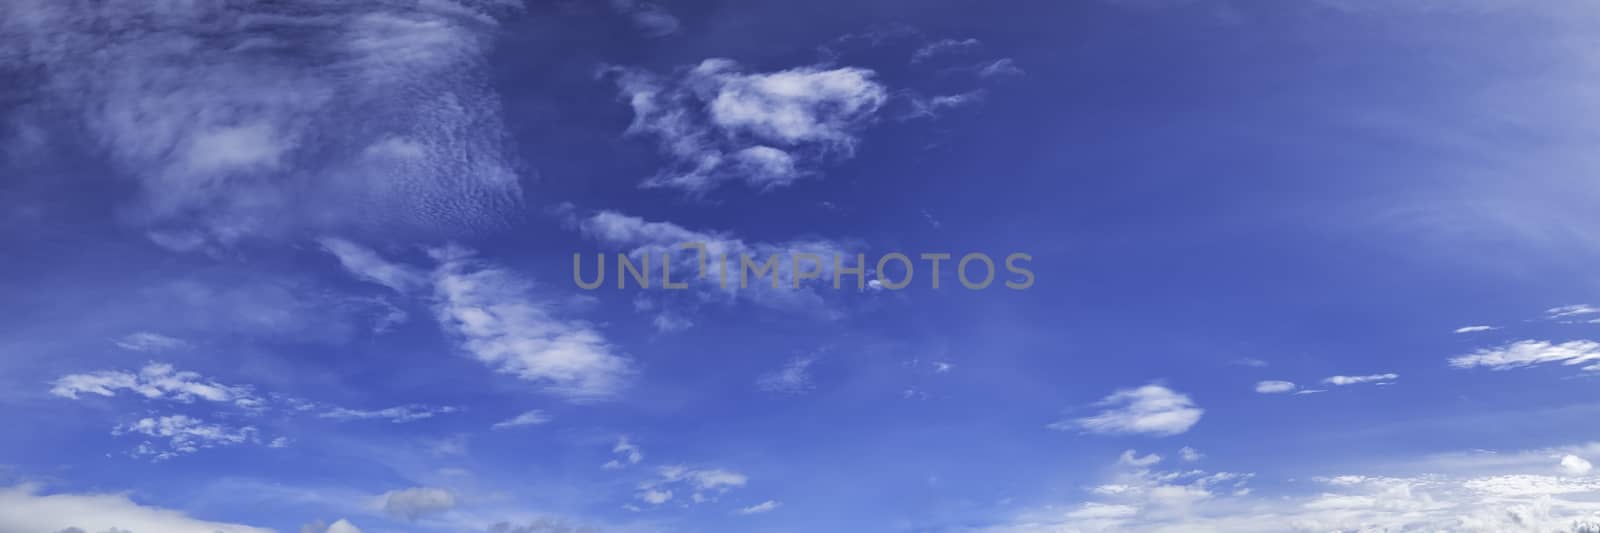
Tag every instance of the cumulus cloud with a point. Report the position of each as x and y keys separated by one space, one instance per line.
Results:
x=529 y=418
x=718 y=123
x=1275 y=387
x=145 y=341
x=154 y=381
x=399 y=414
x=239 y=119
x=1151 y=409
x=183 y=435
x=415 y=502
x=1380 y=379
x=1532 y=352
x=23 y=508
x=1575 y=465
x=793 y=378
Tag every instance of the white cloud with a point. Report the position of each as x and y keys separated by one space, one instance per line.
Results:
x=719 y=124
x=627 y=454
x=1190 y=454
x=1567 y=311
x=530 y=418
x=489 y=309
x=1531 y=352
x=367 y=265
x=763 y=507
x=154 y=381
x=145 y=341
x=1275 y=387
x=1151 y=409
x=1475 y=329
x=1250 y=362
x=793 y=378
x=667 y=322
x=24 y=509
x=1575 y=465
x=243 y=119
x=184 y=435
x=413 y=503
x=1355 y=380
x=399 y=414
x=340 y=526
x=704 y=484
x=944 y=47
x=1460 y=496
x=1000 y=67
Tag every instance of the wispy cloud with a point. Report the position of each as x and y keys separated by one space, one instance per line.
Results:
x=148 y=342
x=763 y=507
x=1532 y=352
x=1151 y=409
x=1567 y=311
x=943 y=47
x=627 y=454
x=1356 y=380
x=399 y=414
x=529 y=418
x=1275 y=387
x=793 y=378
x=491 y=312
x=1475 y=329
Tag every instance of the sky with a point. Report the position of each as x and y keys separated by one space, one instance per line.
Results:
x=321 y=267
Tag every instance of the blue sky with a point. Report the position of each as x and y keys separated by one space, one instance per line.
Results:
x=307 y=267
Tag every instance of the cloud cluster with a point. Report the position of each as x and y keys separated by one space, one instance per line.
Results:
x=1151 y=409
x=250 y=118
x=703 y=485
x=184 y=435
x=154 y=381
x=718 y=123
x=1520 y=496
